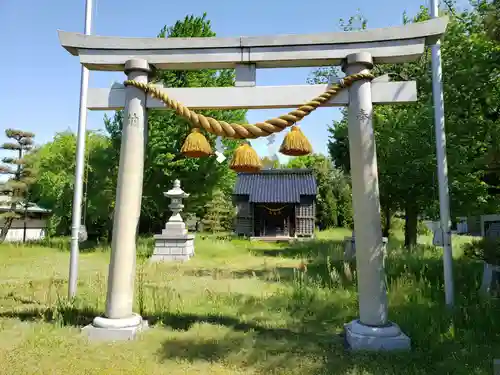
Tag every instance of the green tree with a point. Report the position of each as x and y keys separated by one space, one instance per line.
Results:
x=405 y=133
x=17 y=187
x=219 y=213
x=333 y=201
x=490 y=14
x=54 y=163
x=167 y=132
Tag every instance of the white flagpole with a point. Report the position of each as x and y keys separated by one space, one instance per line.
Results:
x=442 y=164
x=80 y=163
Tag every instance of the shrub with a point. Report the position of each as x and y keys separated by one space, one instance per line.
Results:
x=422 y=229
x=398 y=224
x=486 y=249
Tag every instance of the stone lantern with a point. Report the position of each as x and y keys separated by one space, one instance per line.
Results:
x=175 y=224
x=174 y=243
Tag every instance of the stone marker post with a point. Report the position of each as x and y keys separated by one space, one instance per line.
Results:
x=120 y=322
x=372 y=330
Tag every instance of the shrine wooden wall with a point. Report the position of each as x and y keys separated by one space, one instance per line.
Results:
x=305 y=217
x=244 y=217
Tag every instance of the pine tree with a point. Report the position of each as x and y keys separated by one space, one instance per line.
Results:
x=21 y=177
x=219 y=213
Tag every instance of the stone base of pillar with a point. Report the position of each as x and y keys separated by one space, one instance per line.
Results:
x=169 y=247
x=360 y=337
x=105 y=329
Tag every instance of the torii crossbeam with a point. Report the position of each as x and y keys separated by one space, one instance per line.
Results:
x=355 y=51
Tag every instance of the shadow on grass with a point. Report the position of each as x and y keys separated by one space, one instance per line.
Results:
x=303 y=249
x=65 y=316
x=312 y=331
x=20 y=300
x=145 y=245
x=306 y=340
x=273 y=274
x=463 y=341
x=184 y=322
x=264 y=354
x=78 y=317
x=63 y=244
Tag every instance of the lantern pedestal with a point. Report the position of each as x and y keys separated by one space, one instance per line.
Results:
x=174 y=243
x=173 y=248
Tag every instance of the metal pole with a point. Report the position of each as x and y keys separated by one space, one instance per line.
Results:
x=442 y=164
x=80 y=161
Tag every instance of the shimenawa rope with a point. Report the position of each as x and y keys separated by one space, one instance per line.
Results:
x=248 y=131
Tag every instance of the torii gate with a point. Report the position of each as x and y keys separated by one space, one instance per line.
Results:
x=355 y=51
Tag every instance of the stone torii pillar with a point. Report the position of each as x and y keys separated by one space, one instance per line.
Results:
x=120 y=322
x=372 y=330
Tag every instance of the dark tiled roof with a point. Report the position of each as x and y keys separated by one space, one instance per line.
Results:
x=5 y=205
x=276 y=185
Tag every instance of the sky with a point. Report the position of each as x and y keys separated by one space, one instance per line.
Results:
x=40 y=84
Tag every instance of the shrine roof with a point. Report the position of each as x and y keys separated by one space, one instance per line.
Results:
x=276 y=185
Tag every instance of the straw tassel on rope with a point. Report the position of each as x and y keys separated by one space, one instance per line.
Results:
x=246 y=159
x=295 y=143
x=196 y=145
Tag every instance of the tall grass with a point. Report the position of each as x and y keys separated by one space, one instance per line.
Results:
x=259 y=308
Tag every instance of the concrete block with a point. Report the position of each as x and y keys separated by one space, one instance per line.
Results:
x=245 y=75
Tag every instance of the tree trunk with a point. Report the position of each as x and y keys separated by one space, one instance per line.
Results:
x=25 y=223
x=411 y=221
x=5 y=229
x=386 y=232
x=24 y=231
x=109 y=226
x=8 y=221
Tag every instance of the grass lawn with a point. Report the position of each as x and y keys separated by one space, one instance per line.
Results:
x=243 y=308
